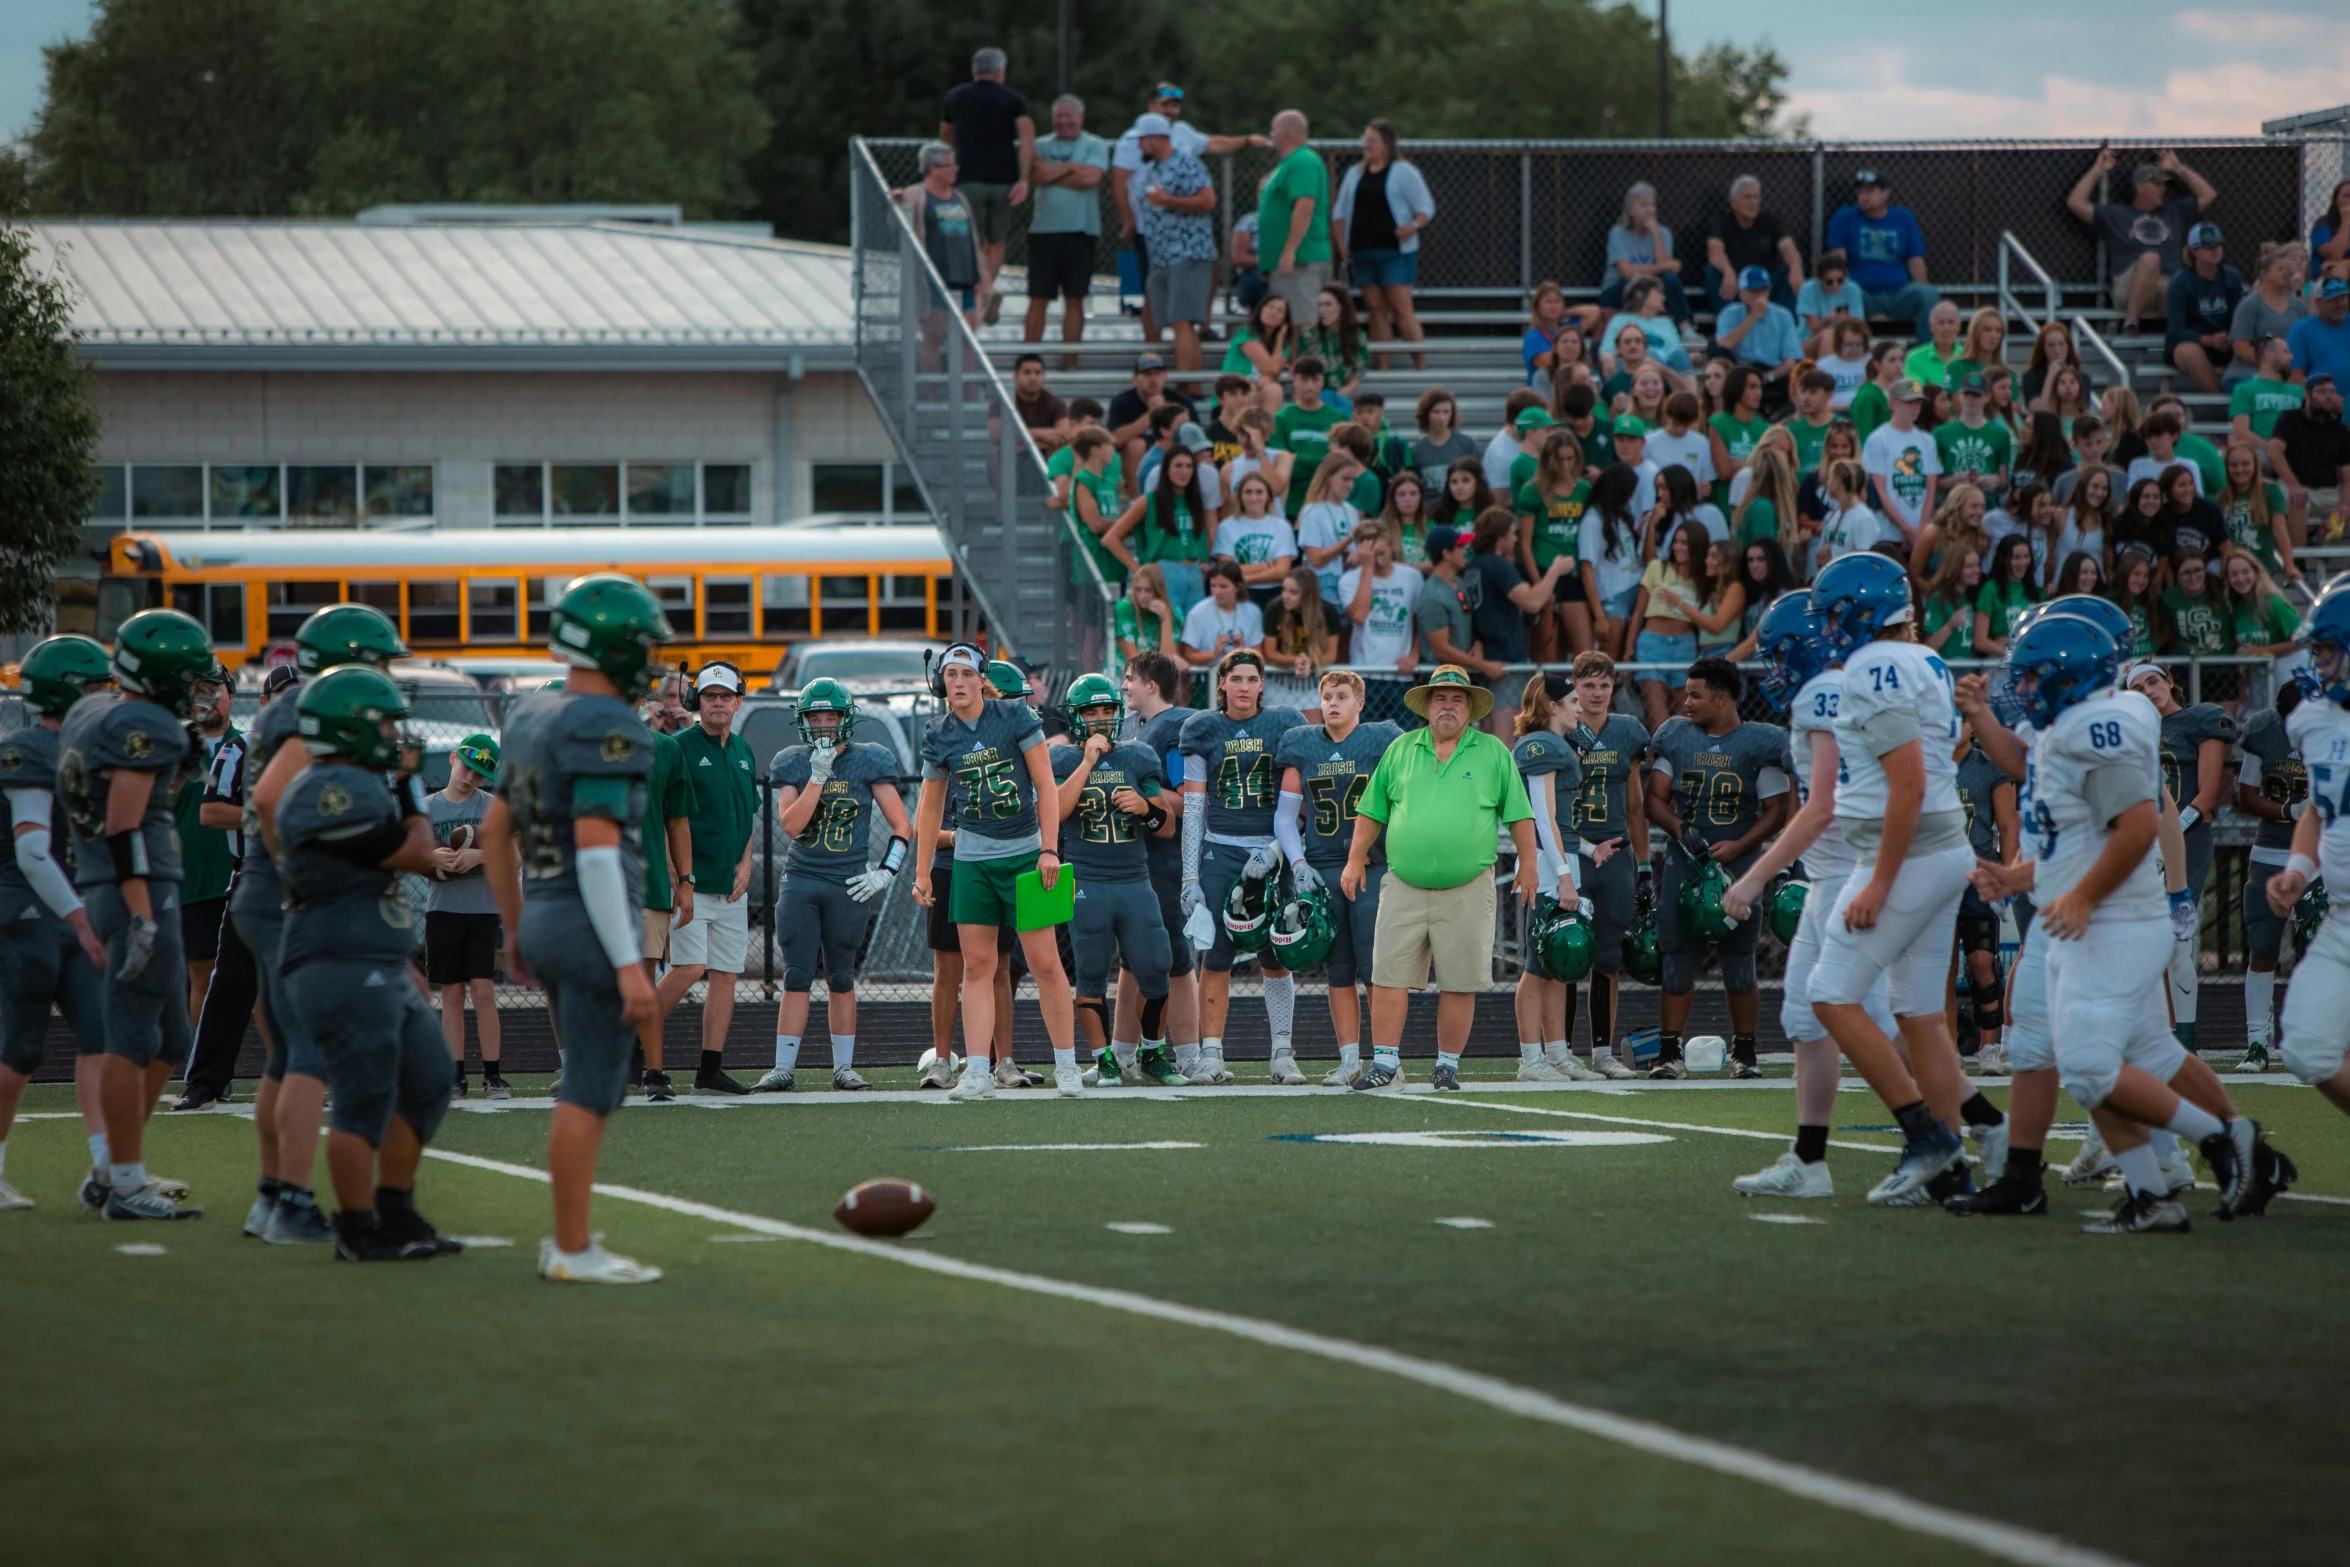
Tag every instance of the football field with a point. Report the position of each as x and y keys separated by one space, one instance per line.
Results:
x=1207 y=1325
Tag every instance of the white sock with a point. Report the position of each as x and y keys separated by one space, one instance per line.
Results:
x=2143 y=1170
x=1213 y=1045
x=1350 y=1057
x=1391 y=1054
x=3 y=1161
x=1448 y=1058
x=1124 y=1050
x=2180 y=971
x=126 y=1178
x=99 y=1154
x=787 y=1052
x=1558 y=1050
x=844 y=1051
x=1065 y=1059
x=2164 y=1142
x=2260 y=998
x=1529 y=1050
x=2195 y=1123
x=1280 y=1010
x=1186 y=1058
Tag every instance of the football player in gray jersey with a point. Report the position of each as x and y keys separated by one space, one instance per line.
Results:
x=49 y=954
x=345 y=838
x=1110 y=797
x=826 y=791
x=1988 y=797
x=2272 y=788
x=1553 y=772
x=2195 y=745
x=1325 y=768
x=119 y=756
x=569 y=815
x=1610 y=840
x=1718 y=787
x=1154 y=722
x=1228 y=773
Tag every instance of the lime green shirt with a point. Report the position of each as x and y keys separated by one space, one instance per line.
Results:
x=1760 y=522
x=2264 y=399
x=1304 y=433
x=1987 y=449
x=2245 y=534
x=1132 y=625
x=2199 y=623
x=1999 y=601
x=1926 y=366
x=1302 y=173
x=1555 y=522
x=1104 y=486
x=1738 y=438
x=1443 y=819
x=2207 y=460
x=2276 y=623
x=1939 y=613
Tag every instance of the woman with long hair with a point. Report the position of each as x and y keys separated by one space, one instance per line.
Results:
x=2193 y=522
x=1265 y=346
x=1257 y=539
x=2265 y=618
x=1947 y=621
x=2081 y=572
x=2203 y=622
x=1298 y=644
x=1550 y=509
x=2088 y=517
x=1647 y=397
x=2066 y=396
x=1871 y=406
x=1143 y=619
x=1978 y=351
x=1442 y=441
x=1326 y=522
x=1466 y=496
x=1169 y=525
x=1570 y=361
x=2133 y=591
x=1546 y=312
x=1639 y=247
x=1336 y=339
x=1662 y=633
x=2008 y=587
x=1713 y=385
x=1841 y=443
x=1848 y=526
x=2139 y=520
x=2118 y=407
x=1999 y=384
x=1767 y=574
x=1958 y=521
x=2034 y=506
x=2329 y=236
x=1768 y=512
x=2046 y=455
x=1721 y=619
x=1679 y=499
x=2052 y=347
x=1610 y=557
x=2253 y=510
x=1407 y=520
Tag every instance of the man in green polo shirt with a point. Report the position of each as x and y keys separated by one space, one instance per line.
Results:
x=722 y=784
x=1440 y=794
x=1293 y=220
x=668 y=836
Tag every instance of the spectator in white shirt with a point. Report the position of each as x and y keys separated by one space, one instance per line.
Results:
x=1681 y=440
x=1378 y=595
x=1222 y=621
x=1850 y=527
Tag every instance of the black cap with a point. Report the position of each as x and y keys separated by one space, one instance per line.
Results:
x=1868 y=177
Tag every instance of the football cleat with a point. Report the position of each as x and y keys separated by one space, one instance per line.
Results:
x=1787 y=1176
x=2272 y=1173
x=1157 y=1067
x=1285 y=1071
x=1919 y=1163
x=414 y=1229
x=2255 y=1058
x=848 y=1080
x=146 y=1203
x=1570 y=1066
x=1343 y=1076
x=2232 y=1154
x=592 y=1266
x=92 y=1195
x=1107 y=1071
x=1069 y=1082
x=11 y=1199
x=177 y=1191
x=1744 y=1069
x=715 y=1084
x=2002 y=1196
x=658 y=1089
x=1991 y=1148
x=296 y=1221
x=494 y=1087
x=257 y=1217
x=1211 y=1068
x=777 y=1081
x=1610 y=1065
x=1378 y=1072
x=1446 y=1079
x=1538 y=1070
x=2141 y=1213
x=1668 y=1071
x=937 y=1072
x=977 y=1082
x=370 y=1244
x=2092 y=1163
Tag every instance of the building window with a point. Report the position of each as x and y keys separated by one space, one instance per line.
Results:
x=783 y=607
x=245 y=493
x=291 y=603
x=726 y=491
x=726 y=607
x=905 y=496
x=663 y=491
x=490 y=611
x=521 y=493
x=114 y=496
x=657 y=494
x=584 y=492
x=433 y=612
x=167 y=492
x=845 y=486
x=398 y=493
x=322 y=497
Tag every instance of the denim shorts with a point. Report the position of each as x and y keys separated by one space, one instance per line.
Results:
x=1616 y=606
x=1384 y=268
x=1655 y=647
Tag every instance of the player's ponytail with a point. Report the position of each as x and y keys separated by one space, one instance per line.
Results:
x=1535 y=706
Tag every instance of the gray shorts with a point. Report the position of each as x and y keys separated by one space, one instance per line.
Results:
x=1167 y=886
x=817 y=921
x=2198 y=858
x=559 y=946
x=1219 y=867
x=1302 y=289
x=1180 y=292
x=1354 y=927
x=146 y=1019
x=383 y=1047
x=44 y=967
x=1120 y=917
x=1608 y=893
x=991 y=209
x=2264 y=932
x=292 y=1047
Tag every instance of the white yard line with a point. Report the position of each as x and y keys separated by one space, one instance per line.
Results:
x=2003 y=1541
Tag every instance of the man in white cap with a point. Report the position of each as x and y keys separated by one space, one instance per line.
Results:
x=722 y=783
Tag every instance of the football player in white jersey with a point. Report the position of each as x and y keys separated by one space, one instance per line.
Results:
x=1804 y=680
x=2091 y=802
x=2317 y=1007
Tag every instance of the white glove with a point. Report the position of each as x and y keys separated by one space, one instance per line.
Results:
x=2188 y=817
x=1193 y=901
x=819 y=764
x=138 y=950
x=1200 y=928
x=2184 y=918
x=865 y=886
x=1262 y=863
x=1304 y=877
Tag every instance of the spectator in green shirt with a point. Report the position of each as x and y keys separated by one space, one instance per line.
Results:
x=668 y=837
x=2253 y=508
x=722 y=780
x=1441 y=795
x=1815 y=411
x=1928 y=364
x=1870 y=405
x=1737 y=427
x=1948 y=626
x=1303 y=428
x=1976 y=449
x=2264 y=620
x=2254 y=405
x=1293 y=219
x=2202 y=620
x=2007 y=589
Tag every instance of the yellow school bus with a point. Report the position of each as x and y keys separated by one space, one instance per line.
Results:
x=739 y=594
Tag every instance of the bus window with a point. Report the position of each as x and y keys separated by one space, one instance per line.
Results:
x=291 y=603
x=433 y=612
x=905 y=605
x=783 y=607
x=218 y=606
x=490 y=612
x=383 y=596
x=846 y=602
x=677 y=602
x=545 y=594
x=726 y=607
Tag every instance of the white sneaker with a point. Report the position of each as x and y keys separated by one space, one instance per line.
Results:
x=1991 y=1061
x=1991 y=1148
x=1211 y=1068
x=1572 y=1068
x=1787 y=1176
x=11 y=1199
x=1284 y=1070
x=1610 y=1065
x=2092 y=1163
x=976 y=1083
x=1343 y=1076
x=592 y=1266
x=1009 y=1075
x=1538 y=1070
x=937 y=1071
x=777 y=1081
x=1069 y=1082
x=1092 y=1076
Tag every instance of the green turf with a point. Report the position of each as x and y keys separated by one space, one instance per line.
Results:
x=2164 y=1399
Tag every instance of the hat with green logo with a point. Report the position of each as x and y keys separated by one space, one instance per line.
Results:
x=478 y=752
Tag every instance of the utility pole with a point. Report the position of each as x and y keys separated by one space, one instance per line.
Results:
x=1664 y=70
x=1068 y=46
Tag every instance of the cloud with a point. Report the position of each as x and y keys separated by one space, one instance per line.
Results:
x=2257 y=28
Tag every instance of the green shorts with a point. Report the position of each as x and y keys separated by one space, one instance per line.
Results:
x=987 y=892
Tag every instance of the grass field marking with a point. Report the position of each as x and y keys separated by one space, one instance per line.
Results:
x=1673 y=1126
x=1137 y=1227
x=1060 y=1147
x=1464 y=1224
x=1783 y=1218
x=2006 y=1542
x=140 y=1249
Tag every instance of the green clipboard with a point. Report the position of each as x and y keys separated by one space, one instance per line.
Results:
x=1035 y=908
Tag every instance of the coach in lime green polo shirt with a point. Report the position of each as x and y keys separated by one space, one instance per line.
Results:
x=1442 y=795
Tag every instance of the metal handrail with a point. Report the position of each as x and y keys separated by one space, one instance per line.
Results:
x=2122 y=372
x=2008 y=299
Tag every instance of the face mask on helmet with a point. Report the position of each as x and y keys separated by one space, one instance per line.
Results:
x=1098 y=720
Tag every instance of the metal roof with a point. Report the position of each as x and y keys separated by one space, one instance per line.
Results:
x=490 y=295
x=809 y=546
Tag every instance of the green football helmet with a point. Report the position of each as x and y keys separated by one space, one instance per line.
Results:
x=1088 y=694
x=1787 y=909
x=825 y=696
x=2308 y=915
x=57 y=670
x=1302 y=927
x=1702 y=913
x=611 y=624
x=346 y=634
x=1644 y=960
x=478 y=752
x=1008 y=681
x=1248 y=913
x=341 y=713
x=160 y=654
x=1559 y=944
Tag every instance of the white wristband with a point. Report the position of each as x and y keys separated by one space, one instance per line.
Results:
x=2305 y=865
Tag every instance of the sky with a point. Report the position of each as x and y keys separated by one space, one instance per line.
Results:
x=1870 y=68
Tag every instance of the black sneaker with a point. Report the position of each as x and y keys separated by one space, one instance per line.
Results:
x=1668 y=1071
x=2232 y=1152
x=1740 y=1068
x=658 y=1088
x=2272 y=1172
x=1445 y=1079
x=495 y=1087
x=413 y=1228
x=2007 y=1195
x=715 y=1084
x=359 y=1239
x=198 y=1097
x=1956 y=1182
x=457 y=1089
x=2141 y=1213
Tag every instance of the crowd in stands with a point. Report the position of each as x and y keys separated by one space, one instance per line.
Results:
x=1662 y=476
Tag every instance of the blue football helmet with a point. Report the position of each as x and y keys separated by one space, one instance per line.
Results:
x=1858 y=598
x=2326 y=634
x=2105 y=612
x=2059 y=661
x=1793 y=645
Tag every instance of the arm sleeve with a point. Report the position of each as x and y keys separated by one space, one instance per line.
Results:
x=2114 y=788
x=1285 y=833
x=1546 y=815
x=604 y=891
x=30 y=807
x=1195 y=833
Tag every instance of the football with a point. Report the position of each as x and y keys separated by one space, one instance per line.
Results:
x=885 y=1208
x=460 y=837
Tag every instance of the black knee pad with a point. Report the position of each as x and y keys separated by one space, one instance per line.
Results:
x=1978 y=932
x=1154 y=1014
x=1988 y=1008
x=1738 y=972
x=1681 y=971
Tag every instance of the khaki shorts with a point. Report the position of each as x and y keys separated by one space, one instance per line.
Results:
x=656 y=942
x=716 y=938
x=1449 y=926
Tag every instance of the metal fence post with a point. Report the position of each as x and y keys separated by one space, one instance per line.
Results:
x=768 y=890
x=1819 y=200
x=1224 y=201
x=1525 y=223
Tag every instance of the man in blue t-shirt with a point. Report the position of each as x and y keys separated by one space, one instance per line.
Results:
x=2321 y=340
x=1887 y=251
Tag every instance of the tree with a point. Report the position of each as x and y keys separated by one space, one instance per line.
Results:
x=267 y=107
x=48 y=436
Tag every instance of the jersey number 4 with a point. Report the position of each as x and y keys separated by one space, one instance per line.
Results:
x=1243 y=785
